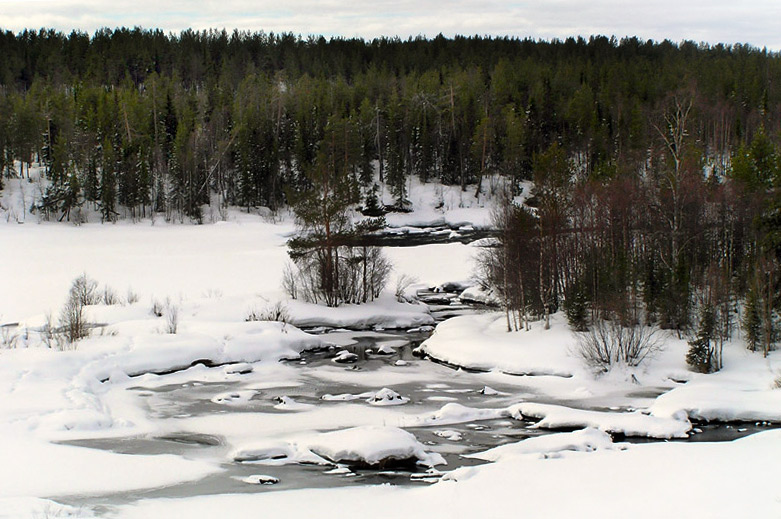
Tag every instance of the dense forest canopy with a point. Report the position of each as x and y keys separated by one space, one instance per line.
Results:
x=138 y=120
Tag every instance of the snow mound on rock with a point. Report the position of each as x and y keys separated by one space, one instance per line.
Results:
x=385 y=397
x=372 y=445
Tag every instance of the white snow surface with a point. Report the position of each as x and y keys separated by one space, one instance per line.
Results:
x=464 y=340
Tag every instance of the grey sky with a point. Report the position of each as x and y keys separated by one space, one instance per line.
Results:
x=757 y=22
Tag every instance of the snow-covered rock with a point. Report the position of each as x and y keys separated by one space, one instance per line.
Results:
x=373 y=446
x=260 y=479
x=385 y=349
x=285 y=403
x=453 y=436
x=234 y=397
x=478 y=294
x=345 y=357
x=386 y=396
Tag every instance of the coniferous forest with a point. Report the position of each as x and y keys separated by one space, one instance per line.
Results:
x=656 y=165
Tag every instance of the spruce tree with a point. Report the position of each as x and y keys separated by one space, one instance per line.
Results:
x=701 y=355
x=576 y=307
x=751 y=322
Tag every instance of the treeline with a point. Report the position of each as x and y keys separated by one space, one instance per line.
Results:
x=138 y=122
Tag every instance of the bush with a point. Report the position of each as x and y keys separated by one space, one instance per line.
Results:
x=132 y=297
x=109 y=296
x=403 y=283
x=276 y=312
x=609 y=342
x=157 y=308
x=85 y=290
x=73 y=325
x=172 y=319
x=349 y=275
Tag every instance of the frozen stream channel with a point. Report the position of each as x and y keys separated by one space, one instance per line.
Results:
x=202 y=411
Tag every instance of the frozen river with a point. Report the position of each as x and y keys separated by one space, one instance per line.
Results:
x=202 y=415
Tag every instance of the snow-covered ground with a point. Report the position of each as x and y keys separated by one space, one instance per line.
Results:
x=219 y=377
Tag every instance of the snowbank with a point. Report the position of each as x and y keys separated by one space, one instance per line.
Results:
x=586 y=440
x=745 y=390
x=481 y=342
x=454 y=413
x=633 y=423
x=384 y=313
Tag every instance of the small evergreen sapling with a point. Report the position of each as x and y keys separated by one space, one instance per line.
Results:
x=701 y=355
x=752 y=320
x=576 y=308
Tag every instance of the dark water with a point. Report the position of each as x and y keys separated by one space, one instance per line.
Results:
x=405 y=237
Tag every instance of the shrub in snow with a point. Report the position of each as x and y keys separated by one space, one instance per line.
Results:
x=132 y=297
x=371 y=206
x=109 y=296
x=73 y=324
x=403 y=284
x=8 y=337
x=275 y=312
x=609 y=342
x=760 y=320
x=352 y=274
x=157 y=308
x=85 y=290
x=172 y=319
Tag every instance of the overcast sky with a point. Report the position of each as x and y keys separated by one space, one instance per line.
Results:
x=757 y=22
